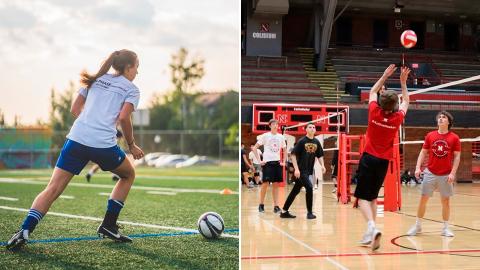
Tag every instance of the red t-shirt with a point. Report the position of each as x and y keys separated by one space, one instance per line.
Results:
x=440 y=151
x=381 y=131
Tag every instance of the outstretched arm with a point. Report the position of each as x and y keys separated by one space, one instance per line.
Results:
x=378 y=85
x=403 y=82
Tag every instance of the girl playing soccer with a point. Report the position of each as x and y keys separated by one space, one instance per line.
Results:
x=104 y=100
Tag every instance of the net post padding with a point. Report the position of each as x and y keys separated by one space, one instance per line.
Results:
x=392 y=200
x=347 y=157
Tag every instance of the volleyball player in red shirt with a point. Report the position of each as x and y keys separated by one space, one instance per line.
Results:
x=383 y=124
x=443 y=149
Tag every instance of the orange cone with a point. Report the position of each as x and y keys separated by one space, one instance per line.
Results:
x=226 y=191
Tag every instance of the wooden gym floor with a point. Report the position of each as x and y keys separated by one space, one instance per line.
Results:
x=330 y=241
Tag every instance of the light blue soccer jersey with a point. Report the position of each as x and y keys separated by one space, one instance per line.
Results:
x=96 y=124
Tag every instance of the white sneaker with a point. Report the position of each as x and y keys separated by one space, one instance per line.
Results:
x=376 y=236
x=447 y=232
x=316 y=186
x=367 y=239
x=414 y=230
x=334 y=190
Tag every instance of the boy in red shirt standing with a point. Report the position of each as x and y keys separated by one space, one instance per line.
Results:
x=443 y=148
x=383 y=124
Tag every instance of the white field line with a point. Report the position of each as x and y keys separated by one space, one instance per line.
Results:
x=148 y=176
x=104 y=194
x=332 y=261
x=162 y=193
x=67 y=197
x=120 y=222
x=187 y=178
x=178 y=190
x=8 y=198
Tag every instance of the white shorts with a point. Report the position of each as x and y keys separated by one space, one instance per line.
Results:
x=432 y=181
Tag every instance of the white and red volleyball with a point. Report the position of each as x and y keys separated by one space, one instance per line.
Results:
x=408 y=39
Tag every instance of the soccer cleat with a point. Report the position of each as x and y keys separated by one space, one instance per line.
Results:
x=311 y=216
x=19 y=239
x=261 y=208
x=334 y=190
x=414 y=230
x=115 y=178
x=367 y=239
x=376 y=236
x=112 y=233
x=277 y=210
x=88 y=176
x=287 y=215
x=447 y=232
x=250 y=185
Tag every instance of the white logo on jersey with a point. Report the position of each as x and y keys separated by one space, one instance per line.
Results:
x=440 y=148
x=274 y=145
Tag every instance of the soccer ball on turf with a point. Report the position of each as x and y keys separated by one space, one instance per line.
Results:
x=210 y=225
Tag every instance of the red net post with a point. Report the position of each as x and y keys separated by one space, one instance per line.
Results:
x=392 y=185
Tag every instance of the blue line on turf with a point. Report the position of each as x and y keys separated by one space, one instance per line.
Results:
x=91 y=238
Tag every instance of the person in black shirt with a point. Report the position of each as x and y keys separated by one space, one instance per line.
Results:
x=304 y=154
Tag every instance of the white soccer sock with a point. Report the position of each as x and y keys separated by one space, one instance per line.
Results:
x=445 y=224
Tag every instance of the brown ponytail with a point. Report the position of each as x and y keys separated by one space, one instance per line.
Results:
x=119 y=60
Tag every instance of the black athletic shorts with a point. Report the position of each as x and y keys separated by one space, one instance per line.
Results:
x=371 y=173
x=272 y=172
x=244 y=168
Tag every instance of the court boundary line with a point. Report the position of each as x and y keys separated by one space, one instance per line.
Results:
x=307 y=256
x=317 y=252
x=120 y=222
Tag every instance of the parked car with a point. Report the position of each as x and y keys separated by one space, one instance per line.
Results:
x=196 y=160
x=169 y=160
x=150 y=158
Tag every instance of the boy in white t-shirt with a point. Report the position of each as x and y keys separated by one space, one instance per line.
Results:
x=272 y=170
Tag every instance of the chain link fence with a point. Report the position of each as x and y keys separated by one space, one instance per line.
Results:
x=40 y=148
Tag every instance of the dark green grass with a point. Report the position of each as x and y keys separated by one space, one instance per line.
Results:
x=208 y=177
x=166 y=252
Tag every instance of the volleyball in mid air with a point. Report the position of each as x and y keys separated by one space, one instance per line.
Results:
x=408 y=39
